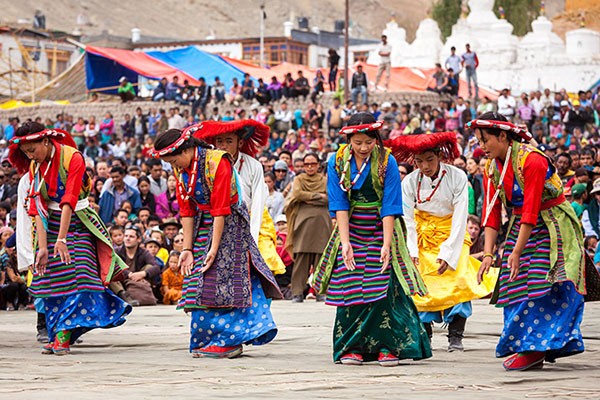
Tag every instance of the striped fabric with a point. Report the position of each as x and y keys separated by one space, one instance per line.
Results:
x=192 y=282
x=366 y=283
x=535 y=264
x=81 y=275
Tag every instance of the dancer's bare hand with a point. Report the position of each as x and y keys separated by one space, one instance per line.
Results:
x=513 y=265
x=348 y=256
x=208 y=261
x=415 y=261
x=61 y=249
x=41 y=261
x=385 y=258
x=484 y=269
x=186 y=262
x=443 y=266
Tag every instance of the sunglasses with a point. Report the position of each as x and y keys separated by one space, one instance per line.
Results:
x=281 y=170
x=310 y=164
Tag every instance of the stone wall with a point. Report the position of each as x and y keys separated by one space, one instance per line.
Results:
x=119 y=109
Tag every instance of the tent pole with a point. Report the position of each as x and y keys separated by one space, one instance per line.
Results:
x=347 y=22
x=262 y=35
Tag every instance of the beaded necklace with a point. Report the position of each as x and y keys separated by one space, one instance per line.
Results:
x=488 y=203
x=357 y=177
x=187 y=192
x=419 y=201
x=33 y=192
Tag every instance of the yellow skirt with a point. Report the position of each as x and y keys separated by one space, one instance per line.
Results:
x=453 y=286
x=267 y=241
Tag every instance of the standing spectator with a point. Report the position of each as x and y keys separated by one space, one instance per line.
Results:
x=306 y=208
x=334 y=116
x=526 y=113
x=385 y=51
x=506 y=104
x=470 y=62
x=139 y=124
x=454 y=63
x=359 y=85
x=152 y=119
x=126 y=91
x=301 y=86
x=334 y=61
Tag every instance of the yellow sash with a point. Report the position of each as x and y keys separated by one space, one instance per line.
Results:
x=453 y=286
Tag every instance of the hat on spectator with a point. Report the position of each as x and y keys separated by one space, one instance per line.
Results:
x=576 y=103
x=314 y=145
x=151 y=240
x=564 y=103
x=122 y=79
x=254 y=134
x=386 y=104
x=556 y=117
x=542 y=147
x=3 y=141
x=11 y=241
x=578 y=189
x=170 y=222
x=596 y=187
x=280 y=165
x=281 y=218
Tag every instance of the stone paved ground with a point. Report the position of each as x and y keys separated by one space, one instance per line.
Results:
x=147 y=358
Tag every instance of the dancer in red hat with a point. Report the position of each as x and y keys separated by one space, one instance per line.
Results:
x=243 y=139
x=435 y=198
x=74 y=258
x=227 y=283
x=541 y=283
x=366 y=271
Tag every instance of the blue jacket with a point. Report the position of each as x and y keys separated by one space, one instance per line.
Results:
x=107 y=202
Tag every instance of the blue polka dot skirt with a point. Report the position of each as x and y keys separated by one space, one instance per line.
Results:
x=227 y=327
x=84 y=311
x=549 y=323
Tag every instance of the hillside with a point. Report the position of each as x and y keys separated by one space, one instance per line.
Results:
x=196 y=19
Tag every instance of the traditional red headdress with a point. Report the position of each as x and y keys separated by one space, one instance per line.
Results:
x=405 y=147
x=522 y=132
x=375 y=126
x=254 y=134
x=20 y=160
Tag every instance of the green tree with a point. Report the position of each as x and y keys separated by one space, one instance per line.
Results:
x=446 y=13
x=520 y=13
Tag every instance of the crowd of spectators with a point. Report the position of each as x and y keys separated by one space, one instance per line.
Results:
x=135 y=195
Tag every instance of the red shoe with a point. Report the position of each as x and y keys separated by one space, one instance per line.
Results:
x=60 y=349
x=387 y=359
x=525 y=361
x=217 y=352
x=351 y=359
x=47 y=348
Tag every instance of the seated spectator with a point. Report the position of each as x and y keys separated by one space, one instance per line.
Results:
x=178 y=242
x=438 y=82
x=275 y=200
x=160 y=91
x=153 y=247
x=203 y=95
x=284 y=280
x=318 y=86
x=126 y=91
x=453 y=82
x=115 y=192
x=281 y=224
x=275 y=89
x=121 y=216
x=262 y=93
x=172 y=280
x=283 y=118
x=235 y=93
x=580 y=196
x=170 y=227
x=288 y=86
x=173 y=91
x=13 y=288
x=166 y=202
x=218 y=90
x=141 y=272
x=247 y=87
x=157 y=234
x=477 y=239
x=117 y=234
x=301 y=86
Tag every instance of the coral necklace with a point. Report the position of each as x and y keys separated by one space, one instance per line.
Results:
x=357 y=177
x=419 y=201
x=491 y=203
x=186 y=193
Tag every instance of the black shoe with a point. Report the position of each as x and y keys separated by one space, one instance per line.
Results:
x=321 y=297
x=124 y=294
x=455 y=343
x=298 y=299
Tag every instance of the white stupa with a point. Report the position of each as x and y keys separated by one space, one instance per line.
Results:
x=425 y=50
x=397 y=39
x=540 y=46
x=583 y=45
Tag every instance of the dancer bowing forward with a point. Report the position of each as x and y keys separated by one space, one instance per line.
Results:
x=227 y=283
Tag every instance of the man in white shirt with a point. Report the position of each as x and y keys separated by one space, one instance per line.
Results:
x=384 y=50
x=435 y=199
x=158 y=183
x=242 y=139
x=507 y=104
x=283 y=118
x=176 y=121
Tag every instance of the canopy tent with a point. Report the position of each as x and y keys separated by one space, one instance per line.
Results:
x=104 y=67
x=200 y=63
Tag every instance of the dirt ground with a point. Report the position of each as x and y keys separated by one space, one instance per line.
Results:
x=147 y=358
